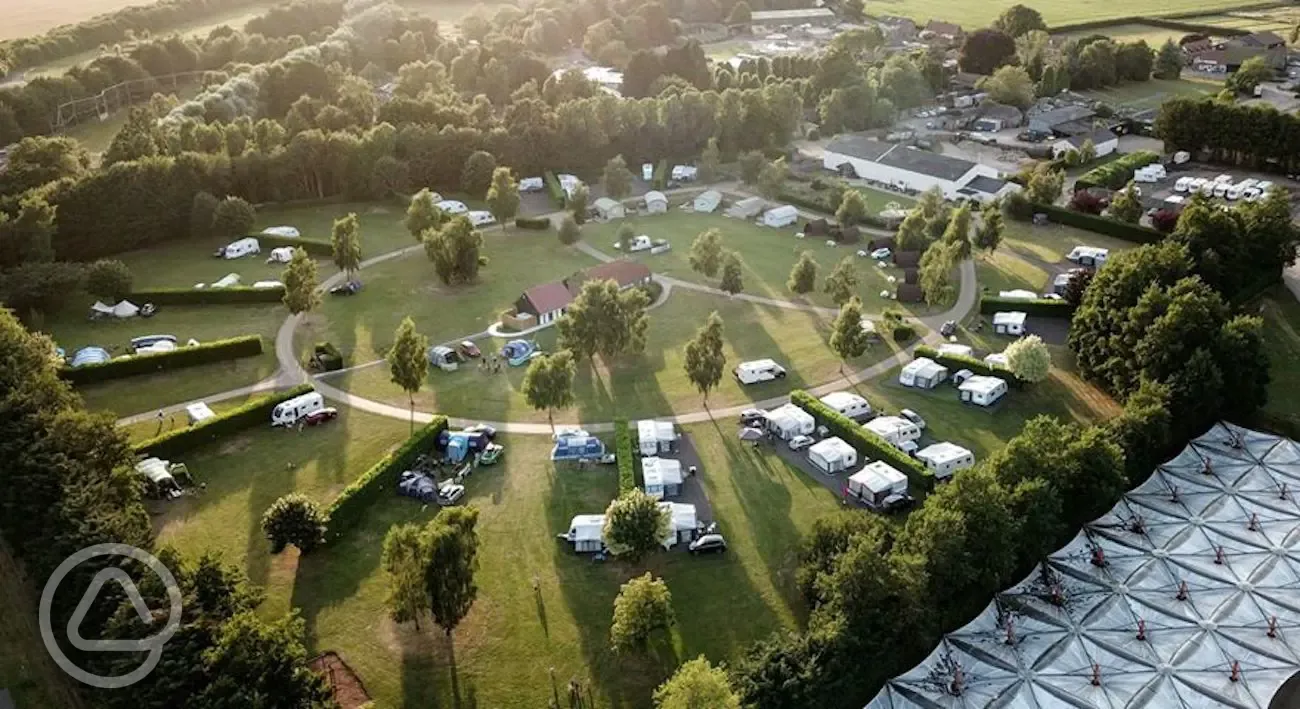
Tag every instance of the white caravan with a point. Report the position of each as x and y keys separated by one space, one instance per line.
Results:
x=287 y=413
x=759 y=370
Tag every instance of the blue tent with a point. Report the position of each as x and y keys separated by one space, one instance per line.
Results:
x=457 y=447
x=576 y=447
x=517 y=352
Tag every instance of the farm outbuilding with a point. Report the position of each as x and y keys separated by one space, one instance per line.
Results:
x=943 y=459
x=902 y=166
x=982 y=390
x=922 y=373
x=663 y=477
x=656 y=437
x=656 y=202
x=707 y=202
x=832 y=455
x=607 y=208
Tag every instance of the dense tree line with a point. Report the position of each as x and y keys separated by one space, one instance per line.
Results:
x=883 y=593
x=67 y=484
x=1257 y=136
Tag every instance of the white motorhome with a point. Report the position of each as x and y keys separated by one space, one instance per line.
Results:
x=944 y=459
x=640 y=242
x=1088 y=255
x=759 y=370
x=240 y=248
x=1221 y=189
x=287 y=413
x=848 y=403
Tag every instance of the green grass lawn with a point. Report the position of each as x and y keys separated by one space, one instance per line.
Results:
x=1282 y=343
x=723 y=603
x=1028 y=253
x=26 y=669
x=151 y=428
x=1058 y=12
x=133 y=395
x=1150 y=94
x=1154 y=36
x=652 y=383
x=381 y=222
x=767 y=255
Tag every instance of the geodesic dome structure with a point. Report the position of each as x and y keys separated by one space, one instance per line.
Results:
x=1186 y=594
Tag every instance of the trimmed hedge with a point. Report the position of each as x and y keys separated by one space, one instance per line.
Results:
x=553 y=188
x=313 y=248
x=1043 y=308
x=346 y=509
x=1101 y=225
x=208 y=296
x=868 y=444
x=978 y=366
x=537 y=223
x=253 y=413
x=1116 y=173
x=133 y=365
x=626 y=457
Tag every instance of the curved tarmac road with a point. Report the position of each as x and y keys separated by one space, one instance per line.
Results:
x=291 y=372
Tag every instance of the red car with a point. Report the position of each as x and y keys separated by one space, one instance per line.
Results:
x=469 y=350
x=320 y=416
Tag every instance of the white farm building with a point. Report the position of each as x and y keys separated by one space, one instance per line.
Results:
x=909 y=168
x=1182 y=596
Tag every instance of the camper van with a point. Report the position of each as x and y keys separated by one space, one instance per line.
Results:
x=287 y=413
x=239 y=249
x=1183 y=184
x=759 y=370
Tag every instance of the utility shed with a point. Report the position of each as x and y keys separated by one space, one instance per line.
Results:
x=1178 y=597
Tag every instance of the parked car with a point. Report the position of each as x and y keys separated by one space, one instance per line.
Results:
x=450 y=494
x=914 y=417
x=469 y=350
x=488 y=432
x=708 y=543
x=752 y=416
x=881 y=254
x=948 y=329
x=799 y=443
x=896 y=503
x=349 y=288
x=319 y=416
x=491 y=454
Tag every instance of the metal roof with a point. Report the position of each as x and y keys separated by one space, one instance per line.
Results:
x=906 y=157
x=1183 y=596
x=986 y=184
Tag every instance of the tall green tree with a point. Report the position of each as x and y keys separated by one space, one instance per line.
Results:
x=803 y=275
x=703 y=358
x=643 y=605
x=1029 y=359
x=957 y=235
x=345 y=242
x=548 y=383
x=452 y=543
x=988 y=235
x=408 y=362
x=404 y=559
x=604 y=320
x=771 y=181
x=503 y=196
x=253 y=662
x=842 y=283
x=299 y=279
x=706 y=253
x=423 y=214
x=848 y=338
x=1126 y=206
x=751 y=166
x=911 y=232
x=454 y=251
x=1253 y=72
x=1019 y=19
x=635 y=525
x=732 y=274
x=697 y=685
x=294 y=519
x=108 y=278
x=710 y=163
x=935 y=272
x=201 y=211
x=569 y=232
x=577 y=203
x=233 y=218
x=852 y=210
x=1044 y=184
x=1010 y=85
x=617 y=179
x=476 y=176
x=1169 y=61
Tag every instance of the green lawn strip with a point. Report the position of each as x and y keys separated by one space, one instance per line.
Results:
x=362 y=326
x=1282 y=344
x=152 y=428
x=73 y=331
x=650 y=384
x=767 y=254
x=381 y=222
x=1150 y=94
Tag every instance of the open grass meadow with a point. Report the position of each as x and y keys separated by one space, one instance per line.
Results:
x=1281 y=313
x=1030 y=256
x=1142 y=95
x=543 y=613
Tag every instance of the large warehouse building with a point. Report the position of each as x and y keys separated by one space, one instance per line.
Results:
x=1183 y=596
x=905 y=167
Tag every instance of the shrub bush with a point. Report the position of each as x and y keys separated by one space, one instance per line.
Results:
x=867 y=444
x=346 y=509
x=322 y=249
x=661 y=175
x=1116 y=173
x=1086 y=202
x=253 y=413
x=828 y=204
x=208 y=296
x=978 y=366
x=1100 y=225
x=537 y=223
x=133 y=365
x=108 y=278
x=902 y=332
x=626 y=456
x=1016 y=205
x=1043 y=308
x=293 y=519
x=553 y=188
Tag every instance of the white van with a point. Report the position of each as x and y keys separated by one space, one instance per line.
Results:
x=240 y=248
x=759 y=370
x=287 y=413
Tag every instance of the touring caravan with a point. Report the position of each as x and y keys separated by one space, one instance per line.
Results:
x=894 y=429
x=785 y=215
x=453 y=207
x=240 y=248
x=877 y=485
x=586 y=533
x=287 y=413
x=147 y=341
x=1183 y=183
x=922 y=373
x=479 y=217
x=832 y=456
x=847 y=403
x=943 y=459
x=788 y=421
x=759 y=370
